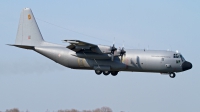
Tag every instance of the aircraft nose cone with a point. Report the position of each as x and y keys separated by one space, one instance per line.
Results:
x=186 y=65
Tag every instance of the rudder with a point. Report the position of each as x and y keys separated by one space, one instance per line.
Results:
x=28 y=31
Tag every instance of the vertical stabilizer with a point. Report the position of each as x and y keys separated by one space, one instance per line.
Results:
x=28 y=32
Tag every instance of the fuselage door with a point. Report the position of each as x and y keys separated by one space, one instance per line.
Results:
x=80 y=62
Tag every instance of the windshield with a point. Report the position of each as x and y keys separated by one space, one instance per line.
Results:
x=182 y=58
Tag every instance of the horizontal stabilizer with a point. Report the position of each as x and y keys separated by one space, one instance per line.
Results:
x=22 y=46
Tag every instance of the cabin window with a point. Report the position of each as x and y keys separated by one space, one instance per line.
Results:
x=162 y=59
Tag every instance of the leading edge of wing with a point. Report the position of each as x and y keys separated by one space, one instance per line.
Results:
x=80 y=43
x=77 y=45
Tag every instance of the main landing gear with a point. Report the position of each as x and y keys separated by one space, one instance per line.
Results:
x=113 y=73
x=172 y=75
x=98 y=72
x=106 y=73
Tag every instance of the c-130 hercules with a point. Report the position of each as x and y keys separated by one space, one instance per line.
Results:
x=100 y=58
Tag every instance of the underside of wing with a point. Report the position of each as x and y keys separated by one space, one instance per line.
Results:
x=77 y=45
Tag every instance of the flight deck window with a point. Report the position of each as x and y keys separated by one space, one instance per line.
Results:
x=176 y=56
x=182 y=58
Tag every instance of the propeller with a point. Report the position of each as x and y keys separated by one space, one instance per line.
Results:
x=113 y=49
x=122 y=52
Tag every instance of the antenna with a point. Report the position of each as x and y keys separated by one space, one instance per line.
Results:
x=170 y=47
x=113 y=40
x=123 y=44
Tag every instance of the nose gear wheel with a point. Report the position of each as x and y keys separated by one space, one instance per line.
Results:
x=172 y=75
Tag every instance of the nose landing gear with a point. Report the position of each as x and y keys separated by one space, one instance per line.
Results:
x=172 y=75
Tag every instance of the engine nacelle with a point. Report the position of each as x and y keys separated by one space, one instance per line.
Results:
x=101 y=49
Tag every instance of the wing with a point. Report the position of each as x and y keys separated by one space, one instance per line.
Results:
x=91 y=51
x=77 y=45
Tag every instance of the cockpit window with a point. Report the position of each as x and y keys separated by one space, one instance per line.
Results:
x=182 y=58
x=176 y=56
x=179 y=56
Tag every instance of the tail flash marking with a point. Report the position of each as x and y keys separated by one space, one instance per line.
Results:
x=29 y=16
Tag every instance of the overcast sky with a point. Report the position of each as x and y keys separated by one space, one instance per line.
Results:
x=30 y=81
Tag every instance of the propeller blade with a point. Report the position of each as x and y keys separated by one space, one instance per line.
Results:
x=112 y=57
x=121 y=58
x=114 y=41
x=123 y=45
x=122 y=51
x=112 y=50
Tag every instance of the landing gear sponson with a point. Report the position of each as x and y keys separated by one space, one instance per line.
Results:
x=113 y=73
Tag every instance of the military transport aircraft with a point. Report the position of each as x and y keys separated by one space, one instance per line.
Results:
x=100 y=58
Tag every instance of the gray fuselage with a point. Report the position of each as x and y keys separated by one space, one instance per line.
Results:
x=134 y=60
